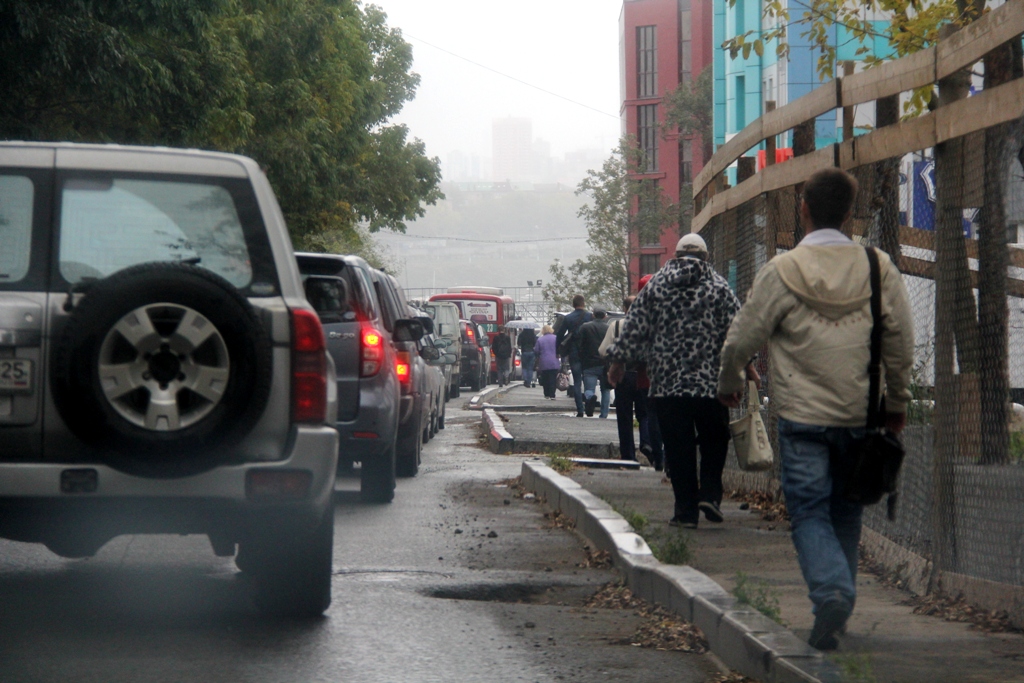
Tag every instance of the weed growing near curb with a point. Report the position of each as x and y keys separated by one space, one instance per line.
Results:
x=760 y=595
x=560 y=463
x=668 y=547
x=671 y=547
x=854 y=668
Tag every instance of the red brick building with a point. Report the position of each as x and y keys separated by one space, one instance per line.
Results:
x=661 y=44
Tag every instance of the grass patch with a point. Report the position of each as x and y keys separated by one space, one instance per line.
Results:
x=759 y=595
x=670 y=547
x=854 y=668
x=560 y=463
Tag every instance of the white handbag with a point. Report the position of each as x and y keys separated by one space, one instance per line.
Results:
x=750 y=438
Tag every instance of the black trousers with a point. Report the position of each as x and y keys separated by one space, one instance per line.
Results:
x=628 y=397
x=547 y=380
x=685 y=421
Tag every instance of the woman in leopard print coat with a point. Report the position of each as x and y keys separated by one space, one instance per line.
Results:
x=677 y=325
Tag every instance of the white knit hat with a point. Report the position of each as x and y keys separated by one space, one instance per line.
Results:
x=692 y=243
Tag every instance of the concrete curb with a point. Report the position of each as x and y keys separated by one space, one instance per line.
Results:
x=499 y=440
x=479 y=401
x=742 y=638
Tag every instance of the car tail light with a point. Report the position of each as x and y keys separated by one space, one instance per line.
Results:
x=403 y=368
x=309 y=368
x=371 y=345
x=469 y=333
x=518 y=362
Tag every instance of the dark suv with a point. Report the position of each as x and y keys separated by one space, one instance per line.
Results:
x=418 y=401
x=476 y=355
x=163 y=371
x=341 y=290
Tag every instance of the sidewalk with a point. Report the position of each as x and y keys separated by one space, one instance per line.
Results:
x=898 y=645
x=538 y=425
x=885 y=641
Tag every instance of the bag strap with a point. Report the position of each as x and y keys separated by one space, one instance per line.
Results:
x=753 y=405
x=875 y=366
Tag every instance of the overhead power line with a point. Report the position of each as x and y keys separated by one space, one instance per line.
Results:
x=468 y=239
x=512 y=78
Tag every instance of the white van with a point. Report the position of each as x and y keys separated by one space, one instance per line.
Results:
x=446 y=326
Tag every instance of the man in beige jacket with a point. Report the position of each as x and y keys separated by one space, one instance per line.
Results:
x=812 y=306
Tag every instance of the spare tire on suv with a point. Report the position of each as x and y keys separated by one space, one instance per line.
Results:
x=162 y=367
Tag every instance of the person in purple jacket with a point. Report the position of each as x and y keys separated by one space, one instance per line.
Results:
x=547 y=360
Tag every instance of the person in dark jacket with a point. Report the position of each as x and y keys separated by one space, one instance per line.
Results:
x=502 y=348
x=527 y=342
x=569 y=327
x=591 y=335
x=678 y=325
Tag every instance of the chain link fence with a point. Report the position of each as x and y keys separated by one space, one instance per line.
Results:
x=951 y=216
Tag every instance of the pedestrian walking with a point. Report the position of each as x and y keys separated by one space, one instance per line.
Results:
x=812 y=305
x=502 y=349
x=527 y=343
x=650 y=431
x=678 y=324
x=569 y=345
x=547 y=360
x=629 y=397
x=594 y=372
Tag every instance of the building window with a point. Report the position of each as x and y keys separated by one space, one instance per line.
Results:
x=685 y=162
x=647 y=137
x=649 y=213
x=646 y=62
x=741 y=103
x=649 y=264
x=685 y=36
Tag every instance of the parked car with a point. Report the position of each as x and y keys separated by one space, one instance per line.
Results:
x=341 y=290
x=165 y=373
x=446 y=326
x=476 y=355
x=416 y=405
x=435 y=378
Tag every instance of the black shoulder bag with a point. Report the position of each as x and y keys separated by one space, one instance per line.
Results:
x=874 y=461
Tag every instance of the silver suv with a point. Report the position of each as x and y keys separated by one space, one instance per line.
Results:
x=160 y=368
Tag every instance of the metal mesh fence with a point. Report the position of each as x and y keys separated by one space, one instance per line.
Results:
x=949 y=217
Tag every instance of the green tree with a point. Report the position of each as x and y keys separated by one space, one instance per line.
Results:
x=624 y=211
x=306 y=87
x=690 y=110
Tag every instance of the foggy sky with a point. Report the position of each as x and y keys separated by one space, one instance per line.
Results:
x=569 y=47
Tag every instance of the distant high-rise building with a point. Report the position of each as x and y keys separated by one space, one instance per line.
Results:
x=512 y=146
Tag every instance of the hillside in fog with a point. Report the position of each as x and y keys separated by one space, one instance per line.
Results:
x=521 y=230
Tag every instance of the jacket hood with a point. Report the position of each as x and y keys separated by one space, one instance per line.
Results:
x=685 y=271
x=832 y=280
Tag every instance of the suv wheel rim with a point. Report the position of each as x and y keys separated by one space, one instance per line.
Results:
x=164 y=367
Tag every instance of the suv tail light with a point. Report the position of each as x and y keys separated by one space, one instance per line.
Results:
x=309 y=368
x=403 y=368
x=371 y=345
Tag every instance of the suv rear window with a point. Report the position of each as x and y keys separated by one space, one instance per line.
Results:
x=17 y=194
x=111 y=223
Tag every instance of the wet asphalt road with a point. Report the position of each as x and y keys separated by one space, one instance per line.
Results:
x=448 y=583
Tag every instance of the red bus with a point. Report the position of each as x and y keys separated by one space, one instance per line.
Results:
x=489 y=307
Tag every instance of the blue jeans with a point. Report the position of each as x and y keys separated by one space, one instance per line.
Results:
x=577 y=382
x=826 y=527
x=591 y=378
x=527 y=366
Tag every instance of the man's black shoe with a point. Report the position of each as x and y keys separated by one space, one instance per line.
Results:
x=591 y=404
x=712 y=512
x=646 y=449
x=679 y=522
x=830 y=619
x=579 y=414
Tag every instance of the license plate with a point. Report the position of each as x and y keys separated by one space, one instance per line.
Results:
x=15 y=374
